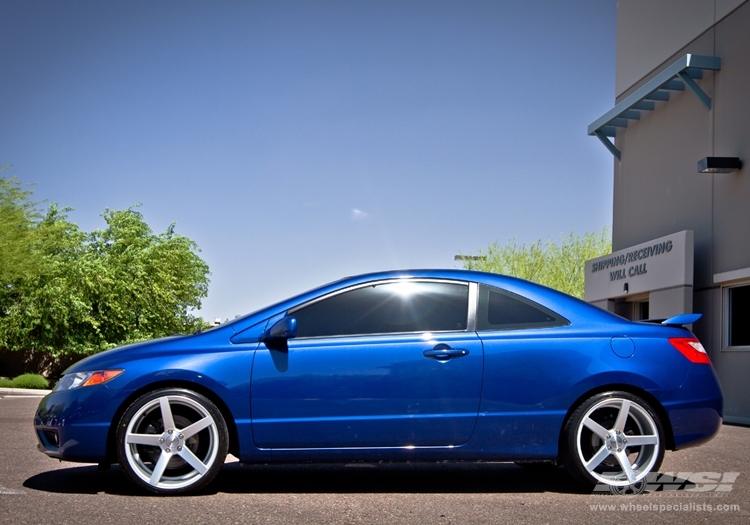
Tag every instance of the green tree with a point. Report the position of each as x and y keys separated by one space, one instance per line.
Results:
x=18 y=242
x=93 y=291
x=560 y=266
x=147 y=283
x=45 y=311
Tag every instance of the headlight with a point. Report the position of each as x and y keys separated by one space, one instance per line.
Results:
x=70 y=381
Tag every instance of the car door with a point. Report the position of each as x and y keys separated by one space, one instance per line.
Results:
x=387 y=364
x=531 y=364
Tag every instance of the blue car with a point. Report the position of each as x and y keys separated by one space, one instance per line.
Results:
x=417 y=365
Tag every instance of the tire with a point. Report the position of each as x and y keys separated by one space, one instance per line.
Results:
x=615 y=439
x=178 y=457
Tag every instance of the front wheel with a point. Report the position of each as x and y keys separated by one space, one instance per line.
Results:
x=614 y=438
x=172 y=441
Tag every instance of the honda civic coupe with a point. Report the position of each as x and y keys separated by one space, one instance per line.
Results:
x=421 y=365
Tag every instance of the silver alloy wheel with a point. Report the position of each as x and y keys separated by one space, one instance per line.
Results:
x=617 y=441
x=171 y=442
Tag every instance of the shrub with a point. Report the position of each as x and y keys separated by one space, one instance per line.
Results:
x=6 y=383
x=30 y=381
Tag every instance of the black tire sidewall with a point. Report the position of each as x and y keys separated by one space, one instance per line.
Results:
x=210 y=407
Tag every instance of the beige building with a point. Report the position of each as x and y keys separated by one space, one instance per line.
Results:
x=679 y=133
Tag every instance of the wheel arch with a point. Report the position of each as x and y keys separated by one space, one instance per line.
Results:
x=630 y=389
x=234 y=442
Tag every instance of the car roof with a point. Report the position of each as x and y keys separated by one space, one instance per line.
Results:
x=573 y=309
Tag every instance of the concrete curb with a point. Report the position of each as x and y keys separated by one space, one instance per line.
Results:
x=23 y=392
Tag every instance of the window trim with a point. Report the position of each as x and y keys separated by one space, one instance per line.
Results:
x=471 y=320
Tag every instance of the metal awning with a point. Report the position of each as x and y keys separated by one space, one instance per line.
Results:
x=674 y=78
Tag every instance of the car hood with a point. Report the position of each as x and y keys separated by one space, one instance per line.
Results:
x=164 y=346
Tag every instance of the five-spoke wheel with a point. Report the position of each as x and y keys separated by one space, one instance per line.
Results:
x=613 y=438
x=171 y=441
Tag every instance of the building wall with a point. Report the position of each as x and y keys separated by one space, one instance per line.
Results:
x=657 y=189
x=649 y=32
x=656 y=186
x=731 y=138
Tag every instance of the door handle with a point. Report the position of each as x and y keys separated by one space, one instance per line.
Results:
x=444 y=352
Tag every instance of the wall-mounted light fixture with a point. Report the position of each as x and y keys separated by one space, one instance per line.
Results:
x=625 y=288
x=719 y=165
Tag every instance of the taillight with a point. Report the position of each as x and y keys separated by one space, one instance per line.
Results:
x=691 y=348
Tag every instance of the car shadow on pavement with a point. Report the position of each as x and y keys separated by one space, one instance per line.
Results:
x=342 y=478
x=84 y=480
x=421 y=478
x=352 y=478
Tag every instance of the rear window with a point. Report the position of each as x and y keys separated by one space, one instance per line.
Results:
x=503 y=310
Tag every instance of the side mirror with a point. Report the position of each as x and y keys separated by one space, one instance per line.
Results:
x=282 y=330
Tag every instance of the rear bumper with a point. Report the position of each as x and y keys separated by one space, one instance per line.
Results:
x=696 y=413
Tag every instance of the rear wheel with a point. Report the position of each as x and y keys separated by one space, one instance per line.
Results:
x=172 y=441
x=614 y=438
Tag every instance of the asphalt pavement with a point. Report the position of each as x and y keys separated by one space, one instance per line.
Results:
x=706 y=484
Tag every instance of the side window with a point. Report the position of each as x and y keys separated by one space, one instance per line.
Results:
x=738 y=332
x=389 y=307
x=503 y=310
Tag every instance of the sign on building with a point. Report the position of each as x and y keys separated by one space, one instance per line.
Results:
x=660 y=264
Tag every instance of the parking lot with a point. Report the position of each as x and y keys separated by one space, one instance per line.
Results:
x=37 y=489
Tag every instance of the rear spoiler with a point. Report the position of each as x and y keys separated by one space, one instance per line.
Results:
x=677 y=320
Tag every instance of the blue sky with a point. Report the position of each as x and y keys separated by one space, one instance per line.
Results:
x=299 y=142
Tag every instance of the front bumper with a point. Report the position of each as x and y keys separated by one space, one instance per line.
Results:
x=74 y=425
